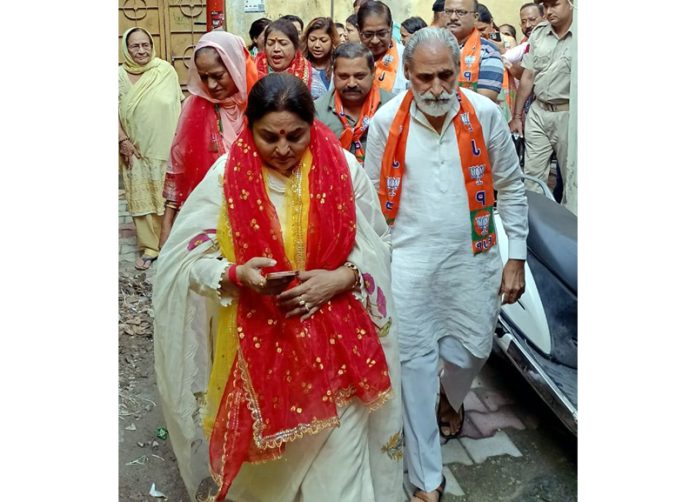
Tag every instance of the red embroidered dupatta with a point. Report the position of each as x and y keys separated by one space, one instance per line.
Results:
x=300 y=67
x=289 y=376
x=197 y=145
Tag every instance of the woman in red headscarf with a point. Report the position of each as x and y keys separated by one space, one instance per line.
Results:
x=219 y=81
x=292 y=357
x=283 y=53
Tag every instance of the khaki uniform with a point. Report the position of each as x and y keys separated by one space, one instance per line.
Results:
x=546 y=126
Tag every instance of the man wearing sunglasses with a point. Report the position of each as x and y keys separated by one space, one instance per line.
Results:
x=481 y=68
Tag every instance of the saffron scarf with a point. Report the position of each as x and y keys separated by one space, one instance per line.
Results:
x=352 y=135
x=386 y=68
x=299 y=66
x=476 y=168
x=470 y=61
x=289 y=376
x=508 y=93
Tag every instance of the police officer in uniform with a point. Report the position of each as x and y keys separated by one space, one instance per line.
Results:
x=547 y=74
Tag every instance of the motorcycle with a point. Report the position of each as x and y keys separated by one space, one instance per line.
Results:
x=538 y=333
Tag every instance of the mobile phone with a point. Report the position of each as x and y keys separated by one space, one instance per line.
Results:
x=279 y=276
x=495 y=35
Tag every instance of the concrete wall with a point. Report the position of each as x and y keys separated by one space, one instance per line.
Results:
x=504 y=11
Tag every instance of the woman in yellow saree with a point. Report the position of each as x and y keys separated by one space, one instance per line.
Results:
x=149 y=103
x=256 y=381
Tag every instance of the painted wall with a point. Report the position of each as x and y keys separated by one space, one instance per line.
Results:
x=504 y=11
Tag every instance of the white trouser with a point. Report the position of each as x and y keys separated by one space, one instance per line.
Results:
x=420 y=388
x=331 y=465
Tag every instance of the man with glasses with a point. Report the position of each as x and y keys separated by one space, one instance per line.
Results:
x=531 y=14
x=546 y=73
x=481 y=67
x=396 y=27
x=375 y=29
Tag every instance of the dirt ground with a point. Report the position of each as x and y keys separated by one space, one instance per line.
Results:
x=543 y=469
x=144 y=459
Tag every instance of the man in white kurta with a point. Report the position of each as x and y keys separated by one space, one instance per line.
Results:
x=447 y=299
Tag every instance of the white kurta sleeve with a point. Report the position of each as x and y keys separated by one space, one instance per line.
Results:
x=376 y=142
x=208 y=268
x=514 y=54
x=372 y=250
x=367 y=201
x=207 y=274
x=507 y=180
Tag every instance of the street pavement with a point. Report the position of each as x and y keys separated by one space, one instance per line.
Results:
x=512 y=448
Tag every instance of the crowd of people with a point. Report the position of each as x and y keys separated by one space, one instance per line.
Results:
x=321 y=207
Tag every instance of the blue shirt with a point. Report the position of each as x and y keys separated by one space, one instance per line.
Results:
x=491 y=67
x=396 y=31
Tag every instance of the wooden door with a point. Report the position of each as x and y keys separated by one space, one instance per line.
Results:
x=185 y=24
x=175 y=25
x=145 y=14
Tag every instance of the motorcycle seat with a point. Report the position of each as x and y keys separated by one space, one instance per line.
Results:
x=553 y=238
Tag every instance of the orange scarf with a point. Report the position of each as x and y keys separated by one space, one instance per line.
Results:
x=386 y=68
x=353 y=135
x=470 y=61
x=289 y=376
x=508 y=92
x=299 y=66
x=476 y=167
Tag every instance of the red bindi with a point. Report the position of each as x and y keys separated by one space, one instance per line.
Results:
x=282 y=131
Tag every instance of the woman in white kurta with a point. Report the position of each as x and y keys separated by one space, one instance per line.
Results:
x=360 y=460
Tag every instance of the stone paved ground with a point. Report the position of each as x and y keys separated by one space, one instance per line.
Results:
x=511 y=449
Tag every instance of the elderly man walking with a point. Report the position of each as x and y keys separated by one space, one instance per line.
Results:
x=436 y=154
x=349 y=108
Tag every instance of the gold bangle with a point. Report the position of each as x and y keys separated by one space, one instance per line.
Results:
x=356 y=273
x=171 y=205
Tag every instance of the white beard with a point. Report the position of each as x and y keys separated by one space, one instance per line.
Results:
x=435 y=107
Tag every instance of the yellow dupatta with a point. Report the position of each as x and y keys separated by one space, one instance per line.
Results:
x=149 y=109
x=294 y=239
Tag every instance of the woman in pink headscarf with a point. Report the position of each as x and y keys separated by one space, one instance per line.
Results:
x=211 y=118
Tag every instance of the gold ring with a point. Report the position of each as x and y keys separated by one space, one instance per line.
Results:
x=302 y=302
x=307 y=307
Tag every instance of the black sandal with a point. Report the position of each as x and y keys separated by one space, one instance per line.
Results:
x=440 y=490
x=442 y=423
